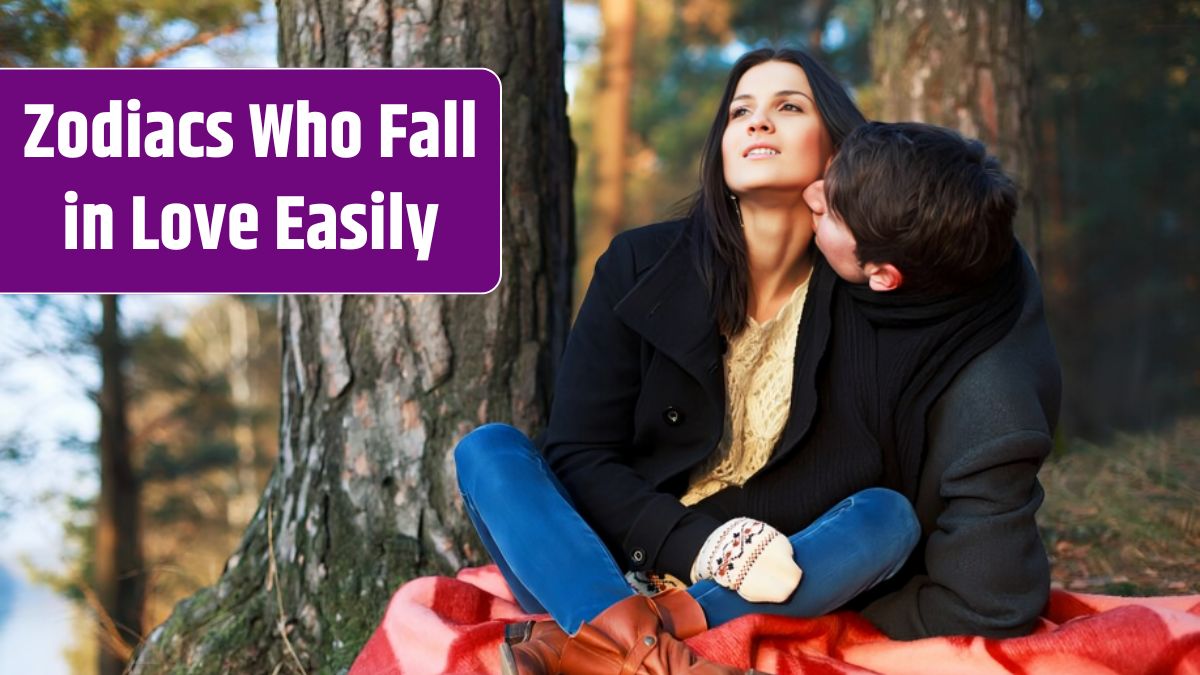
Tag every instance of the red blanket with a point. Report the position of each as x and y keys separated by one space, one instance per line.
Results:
x=442 y=625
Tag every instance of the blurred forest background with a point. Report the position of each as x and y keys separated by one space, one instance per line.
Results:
x=1113 y=200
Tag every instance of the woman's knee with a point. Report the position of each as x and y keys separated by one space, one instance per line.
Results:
x=484 y=454
x=892 y=512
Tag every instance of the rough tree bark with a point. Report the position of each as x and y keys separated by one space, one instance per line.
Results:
x=964 y=65
x=378 y=389
x=119 y=573
x=610 y=131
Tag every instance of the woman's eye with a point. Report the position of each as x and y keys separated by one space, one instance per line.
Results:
x=791 y=107
x=737 y=112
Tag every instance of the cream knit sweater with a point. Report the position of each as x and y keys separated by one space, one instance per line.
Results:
x=758 y=395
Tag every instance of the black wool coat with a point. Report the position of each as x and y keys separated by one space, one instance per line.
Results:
x=640 y=401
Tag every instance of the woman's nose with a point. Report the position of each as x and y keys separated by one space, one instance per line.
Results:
x=760 y=122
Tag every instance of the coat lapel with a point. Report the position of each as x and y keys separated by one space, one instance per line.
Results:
x=811 y=345
x=669 y=308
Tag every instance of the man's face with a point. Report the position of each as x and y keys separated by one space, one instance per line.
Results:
x=833 y=237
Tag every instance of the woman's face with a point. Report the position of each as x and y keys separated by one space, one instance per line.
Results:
x=775 y=139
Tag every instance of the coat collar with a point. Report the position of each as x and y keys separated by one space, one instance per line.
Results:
x=816 y=322
x=669 y=308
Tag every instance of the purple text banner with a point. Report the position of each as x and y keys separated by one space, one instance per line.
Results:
x=250 y=181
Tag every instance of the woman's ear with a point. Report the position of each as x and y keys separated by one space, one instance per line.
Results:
x=883 y=277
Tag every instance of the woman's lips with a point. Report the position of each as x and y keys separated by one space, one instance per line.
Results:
x=760 y=151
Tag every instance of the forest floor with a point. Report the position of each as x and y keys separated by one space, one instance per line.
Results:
x=1124 y=518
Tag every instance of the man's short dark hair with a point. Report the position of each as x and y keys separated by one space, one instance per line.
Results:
x=926 y=200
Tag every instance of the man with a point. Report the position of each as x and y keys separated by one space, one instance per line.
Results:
x=917 y=213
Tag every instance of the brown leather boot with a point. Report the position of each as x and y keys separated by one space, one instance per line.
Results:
x=629 y=638
x=532 y=648
x=679 y=612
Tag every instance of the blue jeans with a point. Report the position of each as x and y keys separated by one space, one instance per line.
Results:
x=554 y=562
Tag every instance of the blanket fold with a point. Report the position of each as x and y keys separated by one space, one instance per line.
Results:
x=444 y=625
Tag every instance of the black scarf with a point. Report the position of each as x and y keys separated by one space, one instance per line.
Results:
x=868 y=368
x=918 y=343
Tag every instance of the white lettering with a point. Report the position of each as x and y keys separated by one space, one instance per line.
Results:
x=45 y=113
x=273 y=128
x=285 y=222
x=388 y=133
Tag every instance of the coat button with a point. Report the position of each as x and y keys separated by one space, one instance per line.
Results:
x=673 y=416
x=638 y=555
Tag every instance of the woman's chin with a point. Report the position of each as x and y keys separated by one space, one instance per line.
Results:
x=785 y=194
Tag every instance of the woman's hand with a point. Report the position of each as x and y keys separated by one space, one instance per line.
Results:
x=751 y=558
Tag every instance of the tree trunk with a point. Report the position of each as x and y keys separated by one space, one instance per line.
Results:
x=243 y=330
x=610 y=131
x=964 y=65
x=377 y=390
x=816 y=15
x=119 y=572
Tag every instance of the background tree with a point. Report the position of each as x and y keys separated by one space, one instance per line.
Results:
x=108 y=33
x=113 y=579
x=610 y=128
x=1117 y=100
x=32 y=32
x=963 y=65
x=187 y=433
x=204 y=415
x=119 y=570
x=112 y=33
x=378 y=389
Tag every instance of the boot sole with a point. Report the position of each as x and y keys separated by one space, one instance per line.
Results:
x=508 y=662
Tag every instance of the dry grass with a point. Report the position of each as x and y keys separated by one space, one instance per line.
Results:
x=1124 y=519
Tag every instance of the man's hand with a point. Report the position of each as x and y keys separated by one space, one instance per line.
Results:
x=751 y=558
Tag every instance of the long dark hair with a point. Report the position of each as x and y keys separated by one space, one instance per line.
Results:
x=721 y=244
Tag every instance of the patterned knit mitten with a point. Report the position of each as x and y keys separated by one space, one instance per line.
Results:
x=751 y=558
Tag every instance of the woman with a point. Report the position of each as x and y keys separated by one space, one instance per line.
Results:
x=664 y=465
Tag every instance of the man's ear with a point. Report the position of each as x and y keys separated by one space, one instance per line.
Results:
x=883 y=277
